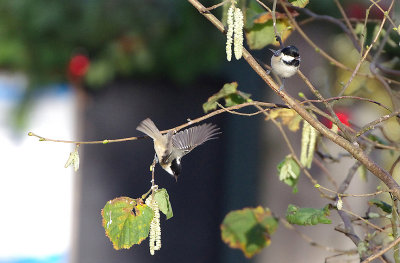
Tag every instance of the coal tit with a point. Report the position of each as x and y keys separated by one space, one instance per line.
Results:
x=285 y=62
x=170 y=147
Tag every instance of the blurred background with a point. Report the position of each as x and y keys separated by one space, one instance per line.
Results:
x=92 y=70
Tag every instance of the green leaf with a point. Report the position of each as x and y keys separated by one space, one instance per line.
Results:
x=126 y=221
x=299 y=3
x=99 y=73
x=363 y=248
x=382 y=205
x=162 y=198
x=260 y=31
x=229 y=93
x=307 y=216
x=289 y=172
x=234 y=99
x=377 y=139
x=249 y=229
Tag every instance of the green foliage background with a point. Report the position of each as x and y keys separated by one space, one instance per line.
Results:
x=122 y=38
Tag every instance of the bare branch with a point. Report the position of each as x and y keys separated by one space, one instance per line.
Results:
x=383 y=251
x=352 y=148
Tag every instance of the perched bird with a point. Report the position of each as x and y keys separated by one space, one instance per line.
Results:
x=285 y=62
x=170 y=147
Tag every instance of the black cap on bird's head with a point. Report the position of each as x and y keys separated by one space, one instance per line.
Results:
x=291 y=51
x=176 y=168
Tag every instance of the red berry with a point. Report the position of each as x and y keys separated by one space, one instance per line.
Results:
x=343 y=117
x=356 y=11
x=78 y=65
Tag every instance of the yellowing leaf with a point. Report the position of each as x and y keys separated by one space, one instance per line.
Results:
x=261 y=33
x=299 y=3
x=249 y=229
x=289 y=118
x=126 y=221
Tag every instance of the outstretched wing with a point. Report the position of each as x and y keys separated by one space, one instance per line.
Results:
x=189 y=139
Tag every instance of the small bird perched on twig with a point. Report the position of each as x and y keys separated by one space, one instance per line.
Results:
x=285 y=61
x=170 y=147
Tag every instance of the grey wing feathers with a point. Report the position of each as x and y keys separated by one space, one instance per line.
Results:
x=189 y=139
x=148 y=127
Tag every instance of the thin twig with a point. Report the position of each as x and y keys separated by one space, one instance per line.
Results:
x=211 y=114
x=332 y=20
x=309 y=41
x=352 y=148
x=395 y=221
x=383 y=251
x=350 y=97
x=153 y=186
x=395 y=218
x=326 y=171
x=321 y=51
x=265 y=6
x=207 y=9
x=372 y=124
x=365 y=54
x=372 y=68
x=348 y=135
x=346 y=182
x=342 y=188
x=345 y=218
x=362 y=219
x=385 y=13
x=311 y=242
x=353 y=195
x=349 y=26
x=291 y=149
x=349 y=230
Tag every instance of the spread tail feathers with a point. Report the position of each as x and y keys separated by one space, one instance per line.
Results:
x=148 y=127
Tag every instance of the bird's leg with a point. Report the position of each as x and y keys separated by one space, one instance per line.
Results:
x=155 y=159
x=153 y=164
x=278 y=38
x=282 y=86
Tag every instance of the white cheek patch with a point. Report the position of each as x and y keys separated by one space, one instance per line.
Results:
x=168 y=169
x=287 y=58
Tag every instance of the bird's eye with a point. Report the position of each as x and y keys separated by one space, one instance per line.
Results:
x=176 y=167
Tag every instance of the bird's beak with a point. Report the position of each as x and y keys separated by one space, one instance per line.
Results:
x=275 y=52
